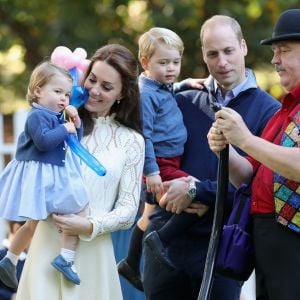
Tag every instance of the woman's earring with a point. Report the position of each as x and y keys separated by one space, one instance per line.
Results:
x=118 y=101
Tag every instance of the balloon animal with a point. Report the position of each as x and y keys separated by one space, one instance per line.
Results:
x=76 y=63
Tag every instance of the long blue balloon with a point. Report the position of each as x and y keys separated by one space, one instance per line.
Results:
x=79 y=94
x=84 y=155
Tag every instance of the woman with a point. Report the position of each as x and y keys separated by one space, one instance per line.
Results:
x=111 y=121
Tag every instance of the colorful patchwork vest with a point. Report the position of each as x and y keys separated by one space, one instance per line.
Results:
x=287 y=192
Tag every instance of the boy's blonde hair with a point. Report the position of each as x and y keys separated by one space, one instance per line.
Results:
x=157 y=35
x=41 y=76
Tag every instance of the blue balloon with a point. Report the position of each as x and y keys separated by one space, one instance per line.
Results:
x=79 y=95
x=85 y=155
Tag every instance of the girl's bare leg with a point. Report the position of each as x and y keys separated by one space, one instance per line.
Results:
x=23 y=237
x=71 y=241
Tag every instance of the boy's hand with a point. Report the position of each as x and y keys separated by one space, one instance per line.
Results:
x=154 y=184
x=196 y=83
x=73 y=113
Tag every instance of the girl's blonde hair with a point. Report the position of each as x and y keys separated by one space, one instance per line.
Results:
x=41 y=75
x=149 y=40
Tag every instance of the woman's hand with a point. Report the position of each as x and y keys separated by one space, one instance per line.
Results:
x=73 y=224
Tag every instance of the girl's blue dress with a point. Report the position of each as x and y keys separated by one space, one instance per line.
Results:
x=33 y=190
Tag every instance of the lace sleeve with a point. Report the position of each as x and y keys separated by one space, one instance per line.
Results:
x=125 y=208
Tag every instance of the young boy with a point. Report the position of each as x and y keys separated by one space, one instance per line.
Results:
x=160 y=54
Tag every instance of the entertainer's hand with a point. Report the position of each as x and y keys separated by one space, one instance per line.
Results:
x=73 y=113
x=73 y=224
x=232 y=126
x=176 y=199
x=197 y=208
x=196 y=83
x=216 y=140
x=154 y=184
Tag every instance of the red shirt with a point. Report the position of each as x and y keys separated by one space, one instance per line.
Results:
x=262 y=185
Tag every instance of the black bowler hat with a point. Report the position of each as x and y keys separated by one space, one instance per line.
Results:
x=287 y=28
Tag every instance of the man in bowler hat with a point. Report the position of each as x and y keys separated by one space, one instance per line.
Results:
x=275 y=156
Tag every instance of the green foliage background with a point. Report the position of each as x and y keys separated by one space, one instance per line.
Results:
x=31 y=29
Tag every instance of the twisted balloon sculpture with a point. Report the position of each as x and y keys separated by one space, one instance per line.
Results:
x=76 y=63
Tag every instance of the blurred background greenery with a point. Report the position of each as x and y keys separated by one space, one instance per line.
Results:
x=31 y=29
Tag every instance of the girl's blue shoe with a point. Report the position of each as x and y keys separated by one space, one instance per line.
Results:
x=65 y=268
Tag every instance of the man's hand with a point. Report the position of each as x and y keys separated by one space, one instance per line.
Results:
x=197 y=208
x=176 y=199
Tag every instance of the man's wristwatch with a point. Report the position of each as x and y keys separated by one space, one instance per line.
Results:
x=192 y=190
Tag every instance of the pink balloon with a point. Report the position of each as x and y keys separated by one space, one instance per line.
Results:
x=63 y=50
x=80 y=52
x=64 y=57
x=83 y=65
x=58 y=60
x=71 y=61
x=60 y=54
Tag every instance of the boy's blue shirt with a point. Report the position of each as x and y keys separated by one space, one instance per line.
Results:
x=255 y=106
x=163 y=126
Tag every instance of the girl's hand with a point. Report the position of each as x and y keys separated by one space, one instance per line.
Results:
x=73 y=224
x=73 y=113
x=70 y=127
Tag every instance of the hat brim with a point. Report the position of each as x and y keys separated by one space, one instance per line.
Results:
x=284 y=37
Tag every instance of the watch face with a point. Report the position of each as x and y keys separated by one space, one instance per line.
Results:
x=192 y=193
x=192 y=190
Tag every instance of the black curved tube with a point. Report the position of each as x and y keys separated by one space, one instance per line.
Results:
x=221 y=195
x=222 y=189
